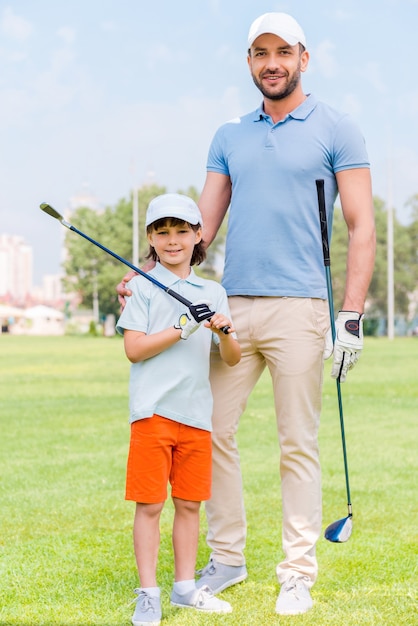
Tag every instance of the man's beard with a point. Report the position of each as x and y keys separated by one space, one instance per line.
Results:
x=288 y=89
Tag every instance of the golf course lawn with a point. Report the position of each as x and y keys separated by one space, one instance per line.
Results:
x=66 y=554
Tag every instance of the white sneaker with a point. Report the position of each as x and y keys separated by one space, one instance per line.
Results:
x=200 y=599
x=218 y=576
x=294 y=597
x=147 y=611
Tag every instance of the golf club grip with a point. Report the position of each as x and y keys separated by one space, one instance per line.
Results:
x=153 y=280
x=325 y=250
x=323 y=220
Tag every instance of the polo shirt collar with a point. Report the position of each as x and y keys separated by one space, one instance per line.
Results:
x=300 y=113
x=167 y=278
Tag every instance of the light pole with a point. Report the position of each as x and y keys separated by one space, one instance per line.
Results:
x=135 y=218
x=390 y=257
x=95 y=294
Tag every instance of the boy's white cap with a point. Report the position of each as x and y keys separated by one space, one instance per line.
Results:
x=173 y=205
x=280 y=24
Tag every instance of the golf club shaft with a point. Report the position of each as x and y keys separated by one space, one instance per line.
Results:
x=193 y=308
x=172 y=293
x=327 y=265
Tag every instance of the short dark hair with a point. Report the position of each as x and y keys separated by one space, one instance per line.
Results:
x=199 y=252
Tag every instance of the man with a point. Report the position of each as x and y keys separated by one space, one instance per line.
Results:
x=263 y=166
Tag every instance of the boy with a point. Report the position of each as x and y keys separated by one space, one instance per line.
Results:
x=171 y=401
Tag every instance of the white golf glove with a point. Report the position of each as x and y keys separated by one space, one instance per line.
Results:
x=187 y=325
x=199 y=312
x=348 y=343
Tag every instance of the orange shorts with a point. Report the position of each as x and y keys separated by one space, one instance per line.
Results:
x=163 y=451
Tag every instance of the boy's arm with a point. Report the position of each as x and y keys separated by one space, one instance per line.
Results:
x=140 y=346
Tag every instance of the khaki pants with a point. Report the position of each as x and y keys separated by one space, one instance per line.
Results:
x=287 y=335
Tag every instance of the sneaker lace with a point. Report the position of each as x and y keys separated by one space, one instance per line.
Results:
x=294 y=585
x=210 y=569
x=205 y=594
x=145 y=601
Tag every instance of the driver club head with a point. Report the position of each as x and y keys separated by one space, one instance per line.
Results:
x=340 y=531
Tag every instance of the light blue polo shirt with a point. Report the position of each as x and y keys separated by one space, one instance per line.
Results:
x=174 y=383
x=274 y=244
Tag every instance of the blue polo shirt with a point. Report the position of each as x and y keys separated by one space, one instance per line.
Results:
x=274 y=244
x=174 y=383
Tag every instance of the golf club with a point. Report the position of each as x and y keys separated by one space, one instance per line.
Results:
x=199 y=311
x=339 y=531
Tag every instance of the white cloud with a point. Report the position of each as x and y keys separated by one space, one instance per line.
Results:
x=14 y=26
x=67 y=34
x=406 y=167
x=12 y=56
x=14 y=107
x=341 y=15
x=351 y=104
x=159 y=53
x=371 y=72
x=108 y=26
x=215 y=6
x=223 y=52
x=408 y=103
x=325 y=59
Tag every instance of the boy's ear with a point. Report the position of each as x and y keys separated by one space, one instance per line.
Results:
x=198 y=236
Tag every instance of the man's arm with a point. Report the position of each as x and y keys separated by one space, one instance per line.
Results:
x=214 y=203
x=356 y=197
x=357 y=204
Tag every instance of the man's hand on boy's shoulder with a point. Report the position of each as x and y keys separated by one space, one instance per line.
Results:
x=121 y=289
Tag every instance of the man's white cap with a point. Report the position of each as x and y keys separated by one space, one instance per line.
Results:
x=280 y=24
x=173 y=205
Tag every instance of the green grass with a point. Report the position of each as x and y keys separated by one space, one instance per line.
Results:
x=66 y=553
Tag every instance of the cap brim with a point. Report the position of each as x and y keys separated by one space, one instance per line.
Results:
x=290 y=39
x=174 y=213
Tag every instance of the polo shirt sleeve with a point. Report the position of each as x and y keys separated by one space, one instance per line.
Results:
x=216 y=157
x=136 y=312
x=349 y=146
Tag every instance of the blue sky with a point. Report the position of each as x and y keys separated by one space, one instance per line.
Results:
x=101 y=92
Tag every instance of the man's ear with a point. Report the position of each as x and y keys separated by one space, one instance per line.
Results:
x=304 y=60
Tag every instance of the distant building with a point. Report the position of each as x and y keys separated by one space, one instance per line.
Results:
x=16 y=269
x=16 y=265
x=52 y=288
x=85 y=198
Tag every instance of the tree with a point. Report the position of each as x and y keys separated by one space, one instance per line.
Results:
x=87 y=268
x=405 y=261
x=412 y=229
